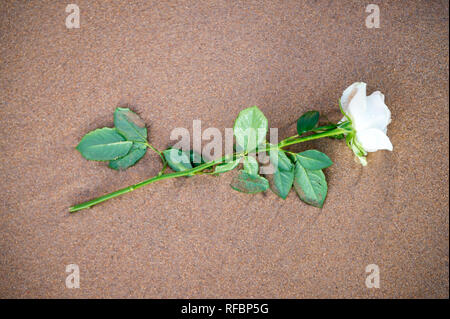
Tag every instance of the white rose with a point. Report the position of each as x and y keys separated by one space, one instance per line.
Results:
x=369 y=118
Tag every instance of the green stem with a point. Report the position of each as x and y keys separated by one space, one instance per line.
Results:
x=141 y=184
x=288 y=141
x=157 y=151
x=161 y=172
x=196 y=169
x=163 y=169
x=324 y=128
x=319 y=129
x=290 y=138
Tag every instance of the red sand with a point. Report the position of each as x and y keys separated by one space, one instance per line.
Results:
x=196 y=237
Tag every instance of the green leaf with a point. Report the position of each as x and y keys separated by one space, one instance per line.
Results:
x=136 y=153
x=222 y=168
x=250 y=129
x=279 y=159
x=103 y=144
x=283 y=176
x=249 y=184
x=282 y=182
x=251 y=165
x=313 y=160
x=307 y=122
x=178 y=160
x=130 y=125
x=310 y=185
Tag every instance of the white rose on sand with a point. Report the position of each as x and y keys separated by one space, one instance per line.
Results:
x=369 y=118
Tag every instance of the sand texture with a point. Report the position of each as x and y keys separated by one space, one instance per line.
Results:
x=177 y=61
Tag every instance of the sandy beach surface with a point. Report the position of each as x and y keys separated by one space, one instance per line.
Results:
x=177 y=61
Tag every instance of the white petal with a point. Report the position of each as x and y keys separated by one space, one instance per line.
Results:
x=357 y=106
x=377 y=114
x=373 y=140
x=349 y=94
x=378 y=93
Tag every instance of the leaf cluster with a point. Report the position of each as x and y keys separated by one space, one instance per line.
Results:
x=123 y=145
